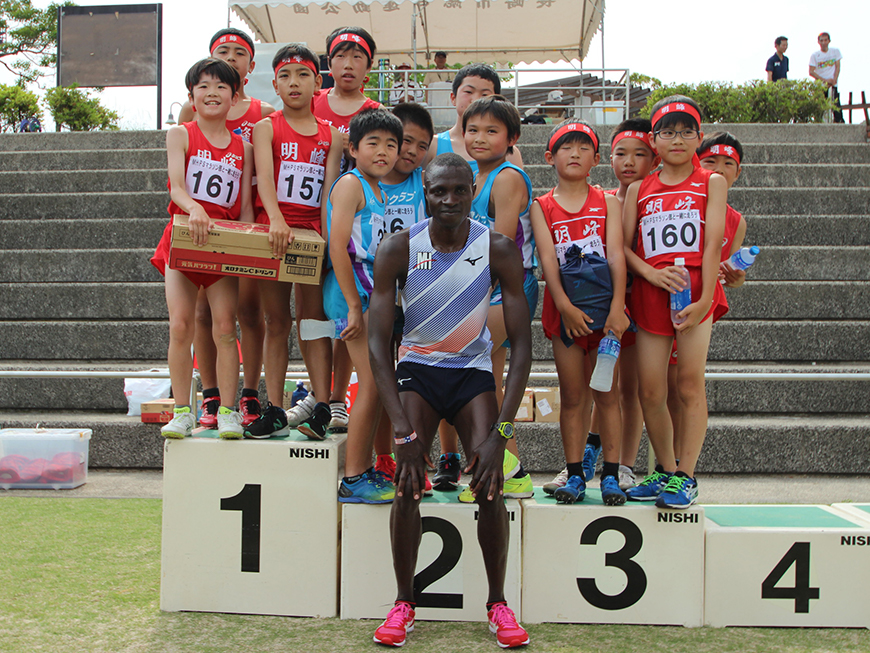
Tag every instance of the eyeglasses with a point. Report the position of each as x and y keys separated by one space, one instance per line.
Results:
x=670 y=134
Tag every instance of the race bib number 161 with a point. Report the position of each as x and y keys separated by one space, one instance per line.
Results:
x=212 y=181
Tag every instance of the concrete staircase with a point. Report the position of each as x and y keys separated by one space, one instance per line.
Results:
x=81 y=213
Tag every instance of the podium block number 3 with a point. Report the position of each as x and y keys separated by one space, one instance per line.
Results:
x=248 y=503
x=622 y=559
x=799 y=556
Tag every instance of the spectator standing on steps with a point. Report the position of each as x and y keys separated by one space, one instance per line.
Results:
x=825 y=65
x=777 y=65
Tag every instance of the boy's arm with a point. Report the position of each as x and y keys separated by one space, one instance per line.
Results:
x=247 y=212
x=330 y=174
x=507 y=268
x=391 y=263
x=668 y=278
x=186 y=114
x=347 y=198
x=617 y=320
x=280 y=234
x=516 y=157
x=735 y=278
x=176 y=148
x=573 y=318
x=714 y=231
x=265 y=109
x=509 y=198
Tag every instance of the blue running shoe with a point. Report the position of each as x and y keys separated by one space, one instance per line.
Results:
x=610 y=492
x=370 y=487
x=680 y=492
x=573 y=490
x=590 y=460
x=649 y=488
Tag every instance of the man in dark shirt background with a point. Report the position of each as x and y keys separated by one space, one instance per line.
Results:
x=777 y=65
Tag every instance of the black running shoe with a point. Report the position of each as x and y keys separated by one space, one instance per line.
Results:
x=447 y=477
x=315 y=426
x=271 y=424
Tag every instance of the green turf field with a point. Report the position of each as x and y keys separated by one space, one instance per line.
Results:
x=83 y=575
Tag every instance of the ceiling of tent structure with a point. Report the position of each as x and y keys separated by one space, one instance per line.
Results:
x=492 y=31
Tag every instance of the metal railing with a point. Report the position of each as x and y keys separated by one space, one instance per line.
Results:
x=572 y=98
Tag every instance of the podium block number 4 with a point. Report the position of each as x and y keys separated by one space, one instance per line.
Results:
x=622 y=559
x=799 y=557
x=248 y=503
x=451 y=552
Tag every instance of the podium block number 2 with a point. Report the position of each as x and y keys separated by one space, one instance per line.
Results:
x=799 y=556
x=248 y=503
x=451 y=552
x=622 y=559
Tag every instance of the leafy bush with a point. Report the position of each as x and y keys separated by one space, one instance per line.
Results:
x=17 y=103
x=79 y=111
x=755 y=101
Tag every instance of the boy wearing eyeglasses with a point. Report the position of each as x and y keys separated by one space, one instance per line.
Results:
x=675 y=213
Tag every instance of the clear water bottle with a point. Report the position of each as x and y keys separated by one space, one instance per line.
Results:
x=298 y=394
x=743 y=258
x=682 y=298
x=316 y=329
x=608 y=353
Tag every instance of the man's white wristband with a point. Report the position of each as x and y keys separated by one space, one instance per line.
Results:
x=407 y=438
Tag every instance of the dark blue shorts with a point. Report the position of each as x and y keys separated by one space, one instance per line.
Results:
x=446 y=389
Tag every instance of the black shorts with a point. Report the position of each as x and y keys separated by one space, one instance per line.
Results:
x=446 y=389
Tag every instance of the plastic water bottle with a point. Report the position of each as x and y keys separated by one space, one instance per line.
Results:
x=298 y=394
x=608 y=353
x=681 y=298
x=743 y=258
x=316 y=329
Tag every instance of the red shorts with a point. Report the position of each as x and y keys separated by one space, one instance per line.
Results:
x=161 y=259
x=552 y=321
x=261 y=217
x=650 y=305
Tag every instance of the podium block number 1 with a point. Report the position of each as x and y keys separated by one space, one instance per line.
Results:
x=248 y=502
x=799 y=557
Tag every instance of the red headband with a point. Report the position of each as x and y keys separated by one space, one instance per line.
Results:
x=676 y=107
x=232 y=38
x=641 y=136
x=720 y=150
x=572 y=127
x=297 y=60
x=354 y=38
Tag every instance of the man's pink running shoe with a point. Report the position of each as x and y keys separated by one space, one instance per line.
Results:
x=503 y=623
x=398 y=623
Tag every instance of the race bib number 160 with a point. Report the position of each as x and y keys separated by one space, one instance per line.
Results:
x=212 y=181
x=671 y=232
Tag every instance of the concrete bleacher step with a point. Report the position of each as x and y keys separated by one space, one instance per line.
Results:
x=72 y=206
x=826 y=443
x=84 y=160
x=93 y=234
x=823 y=230
x=61 y=265
x=84 y=181
x=84 y=141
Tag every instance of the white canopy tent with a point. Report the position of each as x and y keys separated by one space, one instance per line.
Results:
x=492 y=31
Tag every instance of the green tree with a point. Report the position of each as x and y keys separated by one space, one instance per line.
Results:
x=30 y=40
x=79 y=111
x=17 y=103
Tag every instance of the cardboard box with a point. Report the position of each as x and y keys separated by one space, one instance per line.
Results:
x=158 y=411
x=526 y=411
x=547 y=404
x=241 y=249
x=39 y=459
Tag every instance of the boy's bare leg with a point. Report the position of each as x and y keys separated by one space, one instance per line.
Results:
x=203 y=342
x=574 y=395
x=181 y=302
x=366 y=408
x=223 y=297
x=275 y=296
x=691 y=365
x=253 y=328
x=317 y=354
x=653 y=352
x=632 y=415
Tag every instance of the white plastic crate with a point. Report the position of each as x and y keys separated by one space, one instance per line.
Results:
x=40 y=459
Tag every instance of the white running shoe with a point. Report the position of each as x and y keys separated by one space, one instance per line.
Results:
x=338 y=414
x=181 y=425
x=301 y=411
x=559 y=481
x=626 y=478
x=229 y=424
